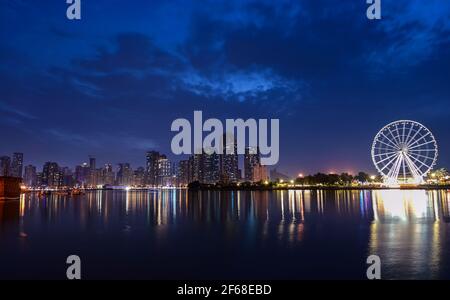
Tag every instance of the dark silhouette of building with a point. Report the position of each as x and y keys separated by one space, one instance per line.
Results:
x=30 y=176
x=125 y=174
x=5 y=166
x=251 y=160
x=17 y=165
x=152 y=168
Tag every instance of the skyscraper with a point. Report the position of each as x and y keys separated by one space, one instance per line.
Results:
x=183 y=175
x=108 y=175
x=152 y=168
x=251 y=160
x=82 y=174
x=124 y=174
x=51 y=175
x=17 y=165
x=165 y=171
x=229 y=169
x=5 y=166
x=30 y=176
x=210 y=167
x=92 y=162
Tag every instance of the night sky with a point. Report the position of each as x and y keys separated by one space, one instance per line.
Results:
x=111 y=84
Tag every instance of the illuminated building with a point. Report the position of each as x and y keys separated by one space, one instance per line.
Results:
x=17 y=165
x=251 y=159
x=229 y=170
x=51 y=175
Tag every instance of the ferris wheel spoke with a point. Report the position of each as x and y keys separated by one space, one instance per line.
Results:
x=413 y=137
x=417 y=146
x=393 y=173
x=394 y=148
x=404 y=132
x=389 y=157
x=409 y=134
x=419 y=139
x=389 y=163
x=390 y=141
x=384 y=154
x=420 y=162
x=412 y=167
x=399 y=134
x=422 y=150
x=394 y=137
x=420 y=155
x=404 y=170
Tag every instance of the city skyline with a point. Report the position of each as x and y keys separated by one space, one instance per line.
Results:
x=332 y=77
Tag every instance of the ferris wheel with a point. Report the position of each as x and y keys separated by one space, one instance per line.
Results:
x=404 y=152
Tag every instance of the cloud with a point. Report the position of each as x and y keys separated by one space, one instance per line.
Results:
x=241 y=84
x=101 y=140
x=17 y=112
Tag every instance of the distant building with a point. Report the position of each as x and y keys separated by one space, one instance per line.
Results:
x=30 y=176
x=139 y=177
x=183 y=174
x=67 y=176
x=108 y=175
x=82 y=174
x=164 y=171
x=17 y=165
x=125 y=174
x=251 y=160
x=92 y=163
x=259 y=173
x=152 y=168
x=229 y=169
x=51 y=175
x=5 y=166
x=210 y=167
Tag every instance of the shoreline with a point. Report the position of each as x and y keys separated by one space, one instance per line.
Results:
x=246 y=188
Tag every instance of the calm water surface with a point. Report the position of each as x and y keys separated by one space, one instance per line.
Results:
x=176 y=234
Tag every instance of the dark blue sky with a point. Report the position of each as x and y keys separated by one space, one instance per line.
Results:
x=111 y=84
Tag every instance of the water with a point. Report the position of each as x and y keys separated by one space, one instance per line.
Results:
x=176 y=234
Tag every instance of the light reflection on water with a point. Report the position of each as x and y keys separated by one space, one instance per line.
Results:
x=408 y=229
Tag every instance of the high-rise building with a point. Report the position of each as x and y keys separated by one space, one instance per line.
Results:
x=108 y=175
x=152 y=168
x=125 y=174
x=164 y=171
x=17 y=165
x=183 y=174
x=210 y=167
x=67 y=176
x=92 y=162
x=30 y=176
x=139 y=177
x=229 y=169
x=259 y=173
x=51 y=175
x=251 y=159
x=5 y=166
x=82 y=174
